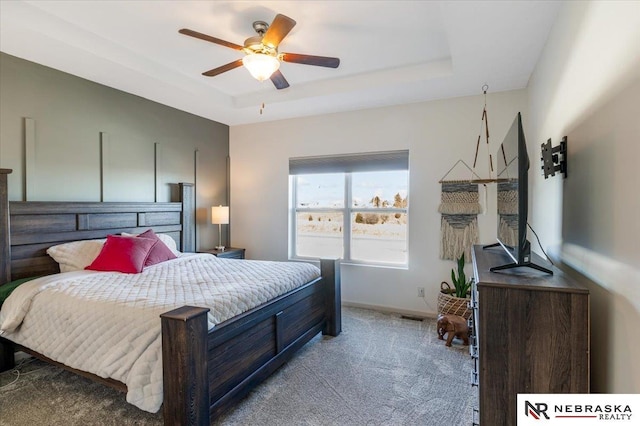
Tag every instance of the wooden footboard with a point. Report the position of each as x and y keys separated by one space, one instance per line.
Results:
x=205 y=380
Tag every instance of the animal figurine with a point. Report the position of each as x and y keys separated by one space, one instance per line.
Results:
x=455 y=325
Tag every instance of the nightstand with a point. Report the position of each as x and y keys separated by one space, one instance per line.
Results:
x=228 y=253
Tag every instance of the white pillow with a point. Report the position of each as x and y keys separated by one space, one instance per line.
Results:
x=166 y=239
x=77 y=255
x=170 y=242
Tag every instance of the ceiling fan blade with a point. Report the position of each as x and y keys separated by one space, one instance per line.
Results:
x=278 y=30
x=320 y=61
x=209 y=38
x=224 y=68
x=278 y=80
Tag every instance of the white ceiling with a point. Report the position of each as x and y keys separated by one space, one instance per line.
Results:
x=391 y=52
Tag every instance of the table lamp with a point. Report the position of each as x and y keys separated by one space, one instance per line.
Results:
x=220 y=216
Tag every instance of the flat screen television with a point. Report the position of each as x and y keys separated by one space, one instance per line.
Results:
x=512 y=206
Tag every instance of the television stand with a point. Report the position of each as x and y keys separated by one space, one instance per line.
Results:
x=491 y=245
x=518 y=265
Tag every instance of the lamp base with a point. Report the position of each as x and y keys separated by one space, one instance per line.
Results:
x=220 y=247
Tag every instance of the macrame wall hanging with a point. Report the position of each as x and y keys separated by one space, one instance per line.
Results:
x=460 y=202
x=459 y=206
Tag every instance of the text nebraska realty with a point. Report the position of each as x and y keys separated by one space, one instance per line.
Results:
x=602 y=412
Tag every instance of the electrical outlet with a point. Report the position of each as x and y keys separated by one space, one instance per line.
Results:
x=420 y=291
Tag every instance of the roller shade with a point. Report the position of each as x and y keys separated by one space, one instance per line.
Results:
x=346 y=163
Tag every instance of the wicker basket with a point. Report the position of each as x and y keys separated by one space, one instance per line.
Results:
x=449 y=304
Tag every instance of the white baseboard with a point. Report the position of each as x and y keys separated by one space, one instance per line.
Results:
x=391 y=310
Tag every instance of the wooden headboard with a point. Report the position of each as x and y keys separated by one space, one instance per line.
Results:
x=28 y=229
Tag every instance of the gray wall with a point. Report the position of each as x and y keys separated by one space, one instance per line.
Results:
x=69 y=139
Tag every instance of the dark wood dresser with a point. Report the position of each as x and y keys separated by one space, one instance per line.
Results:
x=530 y=335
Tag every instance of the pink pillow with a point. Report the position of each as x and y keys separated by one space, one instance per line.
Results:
x=123 y=254
x=160 y=252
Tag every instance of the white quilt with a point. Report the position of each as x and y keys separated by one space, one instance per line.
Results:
x=108 y=323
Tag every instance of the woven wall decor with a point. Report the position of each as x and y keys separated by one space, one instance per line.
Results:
x=508 y=212
x=459 y=207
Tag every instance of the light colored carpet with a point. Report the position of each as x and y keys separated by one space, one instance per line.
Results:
x=382 y=370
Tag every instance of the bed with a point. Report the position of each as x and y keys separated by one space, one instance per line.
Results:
x=204 y=371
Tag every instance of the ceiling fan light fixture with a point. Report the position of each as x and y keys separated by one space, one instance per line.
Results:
x=261 y=66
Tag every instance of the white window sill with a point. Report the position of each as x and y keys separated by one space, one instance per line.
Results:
x=356 y=263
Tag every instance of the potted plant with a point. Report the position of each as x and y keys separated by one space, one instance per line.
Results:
x=455 y=301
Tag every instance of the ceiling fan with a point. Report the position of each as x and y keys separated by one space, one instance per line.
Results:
x=262 y=58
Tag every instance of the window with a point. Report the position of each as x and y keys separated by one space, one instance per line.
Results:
x=353 y=207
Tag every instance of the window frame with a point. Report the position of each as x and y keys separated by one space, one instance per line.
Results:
x=347 y=210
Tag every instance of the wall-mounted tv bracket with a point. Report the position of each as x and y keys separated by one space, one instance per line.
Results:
x=554 y=159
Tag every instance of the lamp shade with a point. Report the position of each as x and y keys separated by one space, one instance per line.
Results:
x=220 y=215
x=261 y=66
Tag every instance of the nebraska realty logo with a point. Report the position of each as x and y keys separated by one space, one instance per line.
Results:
x=578 y=409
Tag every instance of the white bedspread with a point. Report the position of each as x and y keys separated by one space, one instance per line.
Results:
x=108 y=323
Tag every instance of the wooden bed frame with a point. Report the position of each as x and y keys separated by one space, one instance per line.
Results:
x=205 y=372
